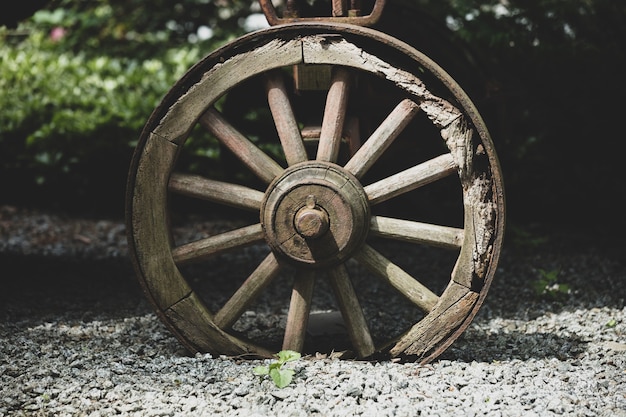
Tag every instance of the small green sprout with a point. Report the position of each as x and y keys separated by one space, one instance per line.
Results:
x=549 y=286
x=611 y=323
x=281 y=376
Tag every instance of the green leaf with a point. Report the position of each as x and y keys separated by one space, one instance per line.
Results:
x=285 y=356
x=550 y=275
x=275 y=365
x=282 y=377
x=261 y=370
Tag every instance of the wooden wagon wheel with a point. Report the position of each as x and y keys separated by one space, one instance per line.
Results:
x=317 y=211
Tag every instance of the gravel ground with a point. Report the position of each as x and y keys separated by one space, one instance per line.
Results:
x=78 y=338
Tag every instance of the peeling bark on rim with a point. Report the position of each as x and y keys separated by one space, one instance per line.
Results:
x=191 y=101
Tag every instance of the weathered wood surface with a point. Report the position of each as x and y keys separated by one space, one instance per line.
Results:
x=351 y=311
x=453 y=308
x=410 y=179
x=256 y=160
x=382 y=137
x=416 y=232
x=284 y=119
x=183 y=115
x=150 y=233
x=312 y=77
x=334 y=116
x=190 y=318
x=215 y=245
x=216 y=191
x=299 y=310
x=461 y=129
x=408 y=286
x=247 y=293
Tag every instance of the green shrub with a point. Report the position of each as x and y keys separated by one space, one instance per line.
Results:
x=138 y=28
x=69 y=122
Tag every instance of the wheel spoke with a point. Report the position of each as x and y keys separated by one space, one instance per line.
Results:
x=411 y=178
x=299 y=309
x=351 y=311
x=249 y=290
x=215 y=245
x=284 y=119
x=398 y=278
x=334 y=116
x=382 y=137
x=416 y=232
x=256 y=160
x=216 y=191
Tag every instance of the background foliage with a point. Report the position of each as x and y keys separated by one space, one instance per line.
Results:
x=78 y=79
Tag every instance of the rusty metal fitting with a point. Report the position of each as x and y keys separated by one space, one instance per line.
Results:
x=342 y=12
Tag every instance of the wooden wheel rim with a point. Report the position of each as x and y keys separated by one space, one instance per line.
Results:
x=190 y=101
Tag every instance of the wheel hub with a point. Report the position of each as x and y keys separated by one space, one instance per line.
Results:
x=315 y=214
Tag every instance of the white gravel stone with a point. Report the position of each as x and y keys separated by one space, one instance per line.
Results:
x=78 y=345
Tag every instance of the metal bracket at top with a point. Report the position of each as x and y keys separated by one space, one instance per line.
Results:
x=340 y=16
